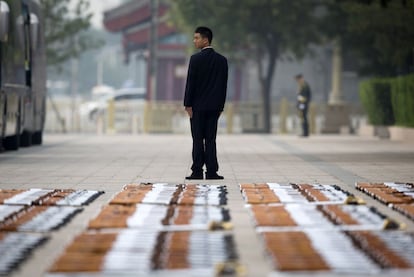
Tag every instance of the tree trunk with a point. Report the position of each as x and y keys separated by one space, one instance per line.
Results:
x=266 y=86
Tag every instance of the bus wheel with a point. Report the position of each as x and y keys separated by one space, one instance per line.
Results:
x=12 y=142
x=26 y=139
x=37 y=138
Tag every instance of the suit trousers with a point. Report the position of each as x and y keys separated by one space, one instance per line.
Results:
x=204 y=133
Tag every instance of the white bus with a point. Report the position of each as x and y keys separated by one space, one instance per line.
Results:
x=22 y=74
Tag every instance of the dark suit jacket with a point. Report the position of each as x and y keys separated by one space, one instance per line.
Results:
x=206 y=85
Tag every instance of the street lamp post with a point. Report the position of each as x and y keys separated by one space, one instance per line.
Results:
x=337 y=111
x=153 y=47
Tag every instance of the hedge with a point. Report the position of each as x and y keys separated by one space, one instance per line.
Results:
x=375 y=95
x=402 y=91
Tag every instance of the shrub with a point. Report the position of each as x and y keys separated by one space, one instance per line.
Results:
x=375 y=95
x=403 y=100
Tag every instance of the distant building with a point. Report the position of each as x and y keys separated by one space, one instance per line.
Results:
x=133 y=20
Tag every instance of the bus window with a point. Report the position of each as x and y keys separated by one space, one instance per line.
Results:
x=4 y=21
x=12 y=52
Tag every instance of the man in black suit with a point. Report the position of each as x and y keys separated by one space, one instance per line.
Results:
x=205 y=95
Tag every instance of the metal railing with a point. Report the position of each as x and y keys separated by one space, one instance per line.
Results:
x=170 y=117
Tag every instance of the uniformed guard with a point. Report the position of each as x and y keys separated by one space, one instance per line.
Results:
x=303 y=100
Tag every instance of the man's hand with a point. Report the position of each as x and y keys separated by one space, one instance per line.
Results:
x=189 y=110
x=301 y=98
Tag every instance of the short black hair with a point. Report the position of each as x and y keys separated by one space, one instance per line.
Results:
x=205 y=32
x=298 y=76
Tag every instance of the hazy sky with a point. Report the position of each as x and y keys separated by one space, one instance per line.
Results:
x=98 y=7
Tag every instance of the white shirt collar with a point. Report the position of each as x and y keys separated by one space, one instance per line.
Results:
x=206 y=47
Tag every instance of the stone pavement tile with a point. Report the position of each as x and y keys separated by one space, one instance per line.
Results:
x=109 y=162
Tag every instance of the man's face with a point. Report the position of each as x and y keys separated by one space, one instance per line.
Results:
x=199 y=41
x=299 y=81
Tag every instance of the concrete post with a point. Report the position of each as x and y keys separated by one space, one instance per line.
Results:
x=74 y=93
x=312 y=118
x=147 y=117
x=111 y=117
x=229 y=117
x=335 y=97
x=283 y=114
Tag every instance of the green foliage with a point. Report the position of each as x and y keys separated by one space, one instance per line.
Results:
x=242 y=26
x=403 y=100
x=378 y=32
x=375 y=95
x=65 y=29
x=261 y=30
x=389 y=100
x=383 y=3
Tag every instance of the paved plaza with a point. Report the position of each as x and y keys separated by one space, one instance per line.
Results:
x=109 y=162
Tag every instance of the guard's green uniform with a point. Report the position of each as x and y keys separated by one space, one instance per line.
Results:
x=303 y=100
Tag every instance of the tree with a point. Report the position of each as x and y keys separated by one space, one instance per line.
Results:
x=65 y=30
x=384 y=3
x=263 y=30
x=379 y=33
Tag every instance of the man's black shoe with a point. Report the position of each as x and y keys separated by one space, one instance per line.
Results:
x=214 y=176
x=195 y=176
